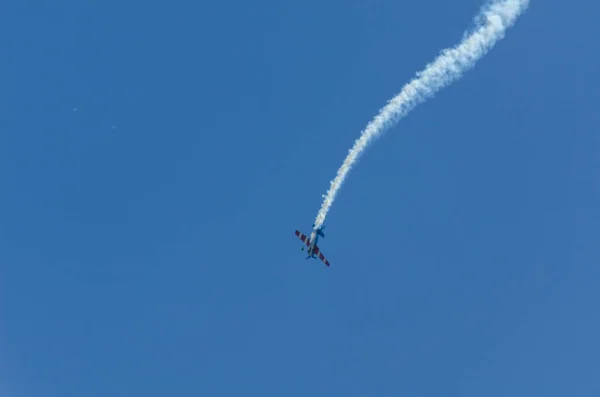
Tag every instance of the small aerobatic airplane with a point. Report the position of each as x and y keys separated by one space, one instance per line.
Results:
x=313 y=248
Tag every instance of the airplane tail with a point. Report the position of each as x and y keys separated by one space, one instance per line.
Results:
x=320 y=231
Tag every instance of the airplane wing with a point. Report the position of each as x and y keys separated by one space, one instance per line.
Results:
x=303 y=237
x=317 y=251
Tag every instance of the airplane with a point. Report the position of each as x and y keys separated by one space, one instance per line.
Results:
x=313 y=248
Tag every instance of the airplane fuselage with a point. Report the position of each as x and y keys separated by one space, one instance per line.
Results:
x=313 y=242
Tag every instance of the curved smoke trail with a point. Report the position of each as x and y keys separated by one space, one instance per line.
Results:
x=491 y=24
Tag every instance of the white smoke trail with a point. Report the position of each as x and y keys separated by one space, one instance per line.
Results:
x=491 y=24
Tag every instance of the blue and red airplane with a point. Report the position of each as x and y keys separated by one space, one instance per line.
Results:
x=313 y=248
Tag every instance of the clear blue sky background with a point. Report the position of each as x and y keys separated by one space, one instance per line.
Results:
x=146 y=239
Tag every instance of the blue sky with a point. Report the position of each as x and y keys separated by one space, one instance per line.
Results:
x=146 y=239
